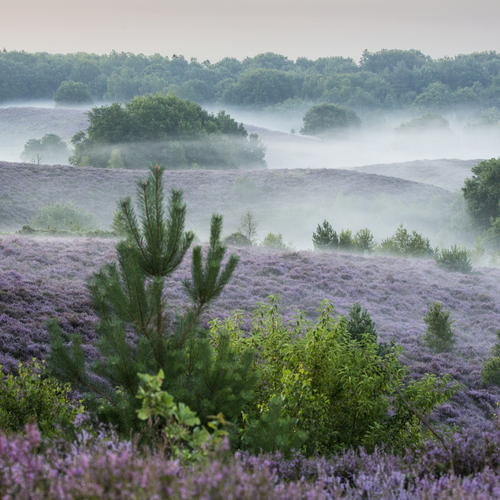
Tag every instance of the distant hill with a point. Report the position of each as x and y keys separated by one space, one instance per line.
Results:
x=291 y=202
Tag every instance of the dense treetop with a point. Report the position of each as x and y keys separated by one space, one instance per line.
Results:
x=388 y=79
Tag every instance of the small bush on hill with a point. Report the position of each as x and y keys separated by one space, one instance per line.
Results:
x=49 y=149
x=274 y=241
x=238 y=240
x=439 y=335
x=364 y=240
x=346 y=240
x=61 y=216
x=455 y=259
x=70 y=92
x=429 y=121
x=328 y=118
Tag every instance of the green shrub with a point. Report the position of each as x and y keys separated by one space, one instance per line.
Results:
x=62 y=216
x=184 y=437
x=325 y=237
x=49 y=149
x=274 y=241
x=346 y=240
x=31 y=397
x=490 y=374
x=407 y=245
x=339 y=390
x=238 y=240
x=439 y=335
x=455 y=259
x=364 y=240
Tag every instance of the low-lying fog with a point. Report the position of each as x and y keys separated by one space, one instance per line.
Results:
x=376 y=142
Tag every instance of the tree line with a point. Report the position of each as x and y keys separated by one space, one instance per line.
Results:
x=388 y=79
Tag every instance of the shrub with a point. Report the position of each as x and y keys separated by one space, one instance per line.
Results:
x=325 y=237
x=327 y=118
x=346 y=240
x=70 y=92
x=490 y=373
x=364 y=241
x=62 y=216
x=49 y=149
x=238 y=240
x=31 y=397
x=455 y=259
x=339 y=389
x=115 y=160
x=274 y=241
x=439 y=335
x=407 y=245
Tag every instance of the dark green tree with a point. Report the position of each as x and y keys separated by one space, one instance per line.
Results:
x=136 y=330
x=325 y=238
x=72 y=93
x=359 y=323
x=490 y=374
x=482 y=193
x=439 y=335
x=327 y=118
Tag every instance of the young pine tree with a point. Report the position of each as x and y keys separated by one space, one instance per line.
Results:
x=325 y=238
x=490 y=374
x=439 y=335
x=135 y=334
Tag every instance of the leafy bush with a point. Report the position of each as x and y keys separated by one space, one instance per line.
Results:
x=439 y=335
x=31 y=397
x=185 y=438
x=408 y=245
x=274 y=241
x=429 y=121
x=455 y=259
x=339 y=389
x=325 y=237
x=62 y=216
x=238 y=240
x=70 y=92
x=490 y=374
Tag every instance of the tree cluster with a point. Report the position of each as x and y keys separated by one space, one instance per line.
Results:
x=167 y=130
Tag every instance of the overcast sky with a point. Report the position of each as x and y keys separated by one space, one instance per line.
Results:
x=213 y=29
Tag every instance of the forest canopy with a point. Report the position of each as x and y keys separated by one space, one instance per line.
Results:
x=167 y=130
x=388 y=79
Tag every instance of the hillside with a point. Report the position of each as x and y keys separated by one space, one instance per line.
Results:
x=45 y=278
x=291 y=202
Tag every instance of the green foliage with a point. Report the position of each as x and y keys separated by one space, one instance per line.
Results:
x=340 y=390
x=328 y=118
x=49 y=149
x=274 y=241
x=136 y=331
x=455 y=259
x=490 y=374
x=238 y=240
x=364 y=240
x=439 y=335
x=429 y=121
x=166 y=130
x=325 y=237
x=32 y=397
x=346 y=240
x=115 y=160
x=70 y=92
x=408 y=245
x=482 y=193
x=119 y=223
x=62 y=216
x=184 y=437
x=273 y=432
x=360 y=323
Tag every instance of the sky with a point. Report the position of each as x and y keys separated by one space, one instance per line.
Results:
x=213 y=29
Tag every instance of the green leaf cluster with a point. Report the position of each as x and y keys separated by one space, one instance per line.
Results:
x=455 y=259
x=407 y=244
x=31 y=397
x=490 y=374
x=63 y=217
x=328 y=118
x=326 y=239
